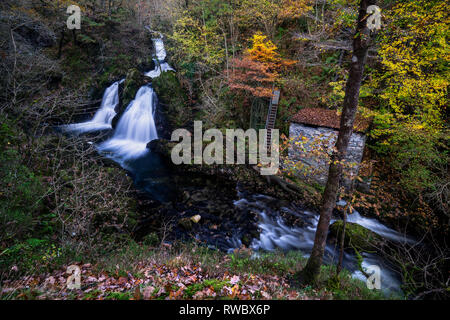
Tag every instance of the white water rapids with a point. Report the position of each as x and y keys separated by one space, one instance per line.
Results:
x=276 y=234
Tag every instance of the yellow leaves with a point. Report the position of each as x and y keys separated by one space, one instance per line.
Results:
x=263 y=50
x=293 y=9
x=415 y=55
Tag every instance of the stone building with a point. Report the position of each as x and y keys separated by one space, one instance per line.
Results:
x=317 y=129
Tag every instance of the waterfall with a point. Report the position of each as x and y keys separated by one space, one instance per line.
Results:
x=159 y=68
x=135 y=129
x=160 y=51
x=104 y=115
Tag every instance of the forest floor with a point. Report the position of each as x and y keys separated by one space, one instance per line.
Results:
x=187 y=271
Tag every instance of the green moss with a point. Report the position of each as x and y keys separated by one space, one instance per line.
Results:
x=172 y=95
x=151 y=239
x=215 y=284
x=356 y=236
x=133 y=82
x=277 y=263
x=119 y=296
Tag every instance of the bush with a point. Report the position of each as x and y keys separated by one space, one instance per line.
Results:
x=420 y=156
x=21 y=189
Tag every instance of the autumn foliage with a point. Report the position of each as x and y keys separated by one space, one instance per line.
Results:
x=256 y=71
x=252 y=76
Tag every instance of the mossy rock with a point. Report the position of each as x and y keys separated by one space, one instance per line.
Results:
x=134 y=80
x=356 y=236
x=172 y=95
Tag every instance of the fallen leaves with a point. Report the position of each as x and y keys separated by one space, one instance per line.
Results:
x=154 y=281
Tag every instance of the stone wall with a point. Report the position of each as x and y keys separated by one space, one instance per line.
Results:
x=321 y=138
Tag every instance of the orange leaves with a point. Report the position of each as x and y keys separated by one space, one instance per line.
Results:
x=265 y=51
x=252 y=77
x=157 y=281
x=257 y=70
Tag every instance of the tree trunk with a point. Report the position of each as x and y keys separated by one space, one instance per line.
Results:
x=342 y=242
x=360 y=46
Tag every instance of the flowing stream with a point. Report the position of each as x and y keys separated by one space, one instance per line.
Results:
x=128 y=146
x=275 y=234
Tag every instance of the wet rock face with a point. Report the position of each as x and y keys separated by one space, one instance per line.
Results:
x=326 y=138
x=146 y=66
x=173 y=98
x=215 y=212
x=134 y=80
x=356 y=236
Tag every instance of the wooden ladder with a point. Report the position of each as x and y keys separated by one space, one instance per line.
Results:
x=272 y=117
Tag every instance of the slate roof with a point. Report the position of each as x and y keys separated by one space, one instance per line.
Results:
x=328 y=118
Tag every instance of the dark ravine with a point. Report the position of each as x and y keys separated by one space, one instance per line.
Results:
x=229 y=211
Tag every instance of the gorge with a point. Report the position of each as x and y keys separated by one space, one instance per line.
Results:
x=127 y=145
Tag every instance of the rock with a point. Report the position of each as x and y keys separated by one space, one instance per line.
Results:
x=185 y=223
x=356 y=236
x=247 y=240
x=199 y=196
x=134 y=80
x=146 y=66
x=127 y=92
x=172 y=95
x=163 y=148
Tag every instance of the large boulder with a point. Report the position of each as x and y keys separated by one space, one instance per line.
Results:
x=161 y=147
x=134 y=80
x=356 y=236
x=173 y=98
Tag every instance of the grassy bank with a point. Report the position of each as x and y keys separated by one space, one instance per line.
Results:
x=188 y=271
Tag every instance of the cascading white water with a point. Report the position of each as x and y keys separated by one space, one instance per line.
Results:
x=159 y=68
x=135 y=128
x=377 y=227
x=104 y=115
x=160 y=51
